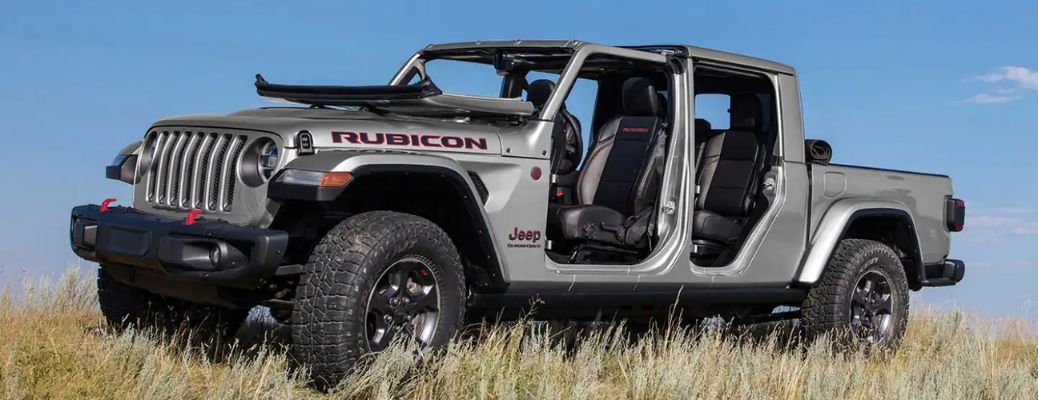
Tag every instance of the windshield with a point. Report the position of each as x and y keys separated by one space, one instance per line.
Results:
x=465 y=82
x=463 y=77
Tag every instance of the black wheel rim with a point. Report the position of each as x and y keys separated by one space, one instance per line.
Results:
x=404 y=302
x=872 y=308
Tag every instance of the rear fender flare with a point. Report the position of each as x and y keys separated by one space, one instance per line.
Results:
x=834 y=225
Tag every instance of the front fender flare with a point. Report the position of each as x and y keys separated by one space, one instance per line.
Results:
x=834 y=226
x=363 y=163
x=359 y=163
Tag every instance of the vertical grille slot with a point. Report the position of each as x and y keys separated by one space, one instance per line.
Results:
x=227 y=185
x=176 y=155
x=162 y=172
x=187 y=163
x=151 y=179
x=198 y=171
x=193 y=169
x=216 y=164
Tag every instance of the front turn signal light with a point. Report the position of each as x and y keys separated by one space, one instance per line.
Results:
x=336 y=179
x=315 y=178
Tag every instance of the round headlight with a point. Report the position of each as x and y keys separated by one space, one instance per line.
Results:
x=268 y=160
x=259 y=161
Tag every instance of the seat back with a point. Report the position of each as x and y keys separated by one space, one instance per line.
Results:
x=703 y=133
x=728 y=174
x=621 y=160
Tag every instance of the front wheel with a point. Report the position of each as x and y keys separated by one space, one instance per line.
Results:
x=861 y=299
x=375 y=278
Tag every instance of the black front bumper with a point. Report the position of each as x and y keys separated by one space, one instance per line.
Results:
x=158 y=253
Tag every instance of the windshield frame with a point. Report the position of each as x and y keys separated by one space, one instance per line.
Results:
x=572 y=64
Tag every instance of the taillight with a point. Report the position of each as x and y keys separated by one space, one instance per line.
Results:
x=955 y=214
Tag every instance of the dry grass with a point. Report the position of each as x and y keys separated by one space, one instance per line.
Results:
x=52 y=345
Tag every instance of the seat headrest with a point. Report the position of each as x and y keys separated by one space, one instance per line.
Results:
x=702 y=126
x=538 y=91
x=639 y=98
x=745 y=112
x=661 y=102
x=703 y=131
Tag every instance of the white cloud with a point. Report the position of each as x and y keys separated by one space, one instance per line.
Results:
x=1014 y=225
x=993 y=225
x=985 y=98
x=1020 y=78
x=1014 y=210
x=998 y=225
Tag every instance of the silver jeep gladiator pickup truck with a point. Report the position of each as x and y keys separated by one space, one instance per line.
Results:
x=367 y=213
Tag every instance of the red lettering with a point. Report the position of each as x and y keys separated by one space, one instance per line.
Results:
x=409 y=139
x=453 y=142
x=350 y=137
x=396 y=139
x=427 y=141
x=379 y=138
x=480 y=143
x=521 y=235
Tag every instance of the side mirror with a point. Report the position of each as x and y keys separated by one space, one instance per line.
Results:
x=124 y=167
x=818 y=152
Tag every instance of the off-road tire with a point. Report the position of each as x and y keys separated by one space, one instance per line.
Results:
x=330 y=308
x=126 y=307
x=827 y=308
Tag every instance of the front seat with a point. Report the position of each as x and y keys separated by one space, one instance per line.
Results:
x=619 y=184
x=567 y=144
x=729 y=173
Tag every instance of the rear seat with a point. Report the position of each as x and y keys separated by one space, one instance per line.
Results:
x=703 y=133
x=727 y=175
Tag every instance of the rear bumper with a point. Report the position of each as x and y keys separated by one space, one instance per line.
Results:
x=947 y=273
x=154 y=252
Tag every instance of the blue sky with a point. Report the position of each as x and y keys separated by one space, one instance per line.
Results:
x=931 y=86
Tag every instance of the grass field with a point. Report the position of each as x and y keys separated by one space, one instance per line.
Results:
x=53 y=345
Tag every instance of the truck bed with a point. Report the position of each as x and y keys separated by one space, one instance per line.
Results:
x=922 y=195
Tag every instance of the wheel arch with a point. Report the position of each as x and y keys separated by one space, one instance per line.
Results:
x=886 y=222
x=433 y=187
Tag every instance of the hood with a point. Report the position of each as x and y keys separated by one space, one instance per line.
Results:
x=336 y=128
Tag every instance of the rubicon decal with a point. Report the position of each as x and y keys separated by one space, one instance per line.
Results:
x=524 y=238
x=409 y=139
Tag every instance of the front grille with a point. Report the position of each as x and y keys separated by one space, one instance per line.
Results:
x=193 y=169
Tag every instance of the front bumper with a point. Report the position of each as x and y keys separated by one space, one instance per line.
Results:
x=154 y=252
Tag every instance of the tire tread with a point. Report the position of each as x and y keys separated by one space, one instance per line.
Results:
x=825 y=309
x=327 y=322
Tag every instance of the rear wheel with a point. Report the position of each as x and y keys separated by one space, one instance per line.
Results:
x=126 y=307
x=862 y=297
x=375 y=278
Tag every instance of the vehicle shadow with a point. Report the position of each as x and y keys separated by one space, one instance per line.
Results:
x=261 y=334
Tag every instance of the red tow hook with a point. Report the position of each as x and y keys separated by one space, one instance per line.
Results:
x=190 y=220
x=106 y=203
